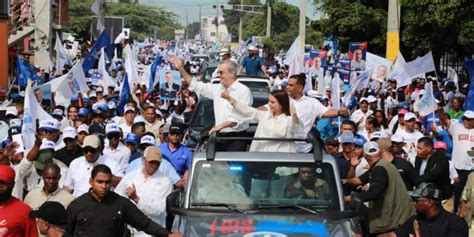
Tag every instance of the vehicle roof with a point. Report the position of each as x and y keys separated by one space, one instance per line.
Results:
x=251 y=79
x=200 y=55
x=289 y=157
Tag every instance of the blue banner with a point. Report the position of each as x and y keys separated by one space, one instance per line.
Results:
x=469 y=102
x=156 y=63
x=102 y=41
x=24 y=72
x=125 y=96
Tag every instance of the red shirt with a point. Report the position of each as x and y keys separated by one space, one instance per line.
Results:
x=14 y=220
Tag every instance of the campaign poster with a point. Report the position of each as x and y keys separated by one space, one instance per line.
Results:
x=380 y=65
x=330 y=46
x=344 y=68
x=46 y=89
x=357 y=55
x=170 y=83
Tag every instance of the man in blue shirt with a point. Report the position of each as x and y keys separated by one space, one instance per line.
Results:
x=177 y=154
x=253 y=63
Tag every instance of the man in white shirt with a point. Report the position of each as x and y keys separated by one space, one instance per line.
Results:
x=129 y=114
x=116 y=154
x=226 y=124
x=77 y=181
x=359 y=116
x=148 y=187
x=410 y=136
x=308 y=109
x=463 y=141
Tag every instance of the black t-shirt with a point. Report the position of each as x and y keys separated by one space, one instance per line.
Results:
x=444 y=224
x=67 y=156
x=407 y=172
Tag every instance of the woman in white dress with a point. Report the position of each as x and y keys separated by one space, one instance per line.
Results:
x=280 y=121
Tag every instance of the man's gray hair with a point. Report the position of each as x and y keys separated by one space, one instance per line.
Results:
x=232 y=66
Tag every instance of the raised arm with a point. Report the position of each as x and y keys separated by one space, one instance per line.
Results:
x=178 y=64
x=444 y=118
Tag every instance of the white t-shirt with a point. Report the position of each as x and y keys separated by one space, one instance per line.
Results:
x=357 y=116
x=308 y=110
x=410 y=139
x=463 y=140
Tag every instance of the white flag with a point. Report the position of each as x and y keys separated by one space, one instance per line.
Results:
x=130 y=67
x=32 y=112
x=62 y=58
x=106 y=80
x=96 y=10
x=336 y=94
x=71 y=84
x=359 y=84
x=453 y=76
x=420 y=65
x=427 y=104
x=295 y=58
x=398 y=72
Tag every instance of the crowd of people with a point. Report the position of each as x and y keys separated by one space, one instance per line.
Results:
x=100 y=168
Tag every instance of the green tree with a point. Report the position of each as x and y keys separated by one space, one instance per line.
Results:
x=354 y=21
x=139 y=18
x=193 y=29
x=284 y=27
x=439 y=26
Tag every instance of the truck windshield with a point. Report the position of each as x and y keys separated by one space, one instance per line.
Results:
x=264 y=184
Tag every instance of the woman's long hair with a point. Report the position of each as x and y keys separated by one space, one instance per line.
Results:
x=283 y=100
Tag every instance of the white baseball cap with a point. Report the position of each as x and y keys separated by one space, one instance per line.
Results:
x=83 y=128
x=47 y=144
x=49 y=125
x=15 y=123
x=371 y=99
x=468 y=114
x=364 y=99
x=371 y=148
x=408 y=116
x=397 y=138
x=11 y=110
x=127 y=108
x=112 y=128
x=69 y=132
x=138 y=119
x=147 y=139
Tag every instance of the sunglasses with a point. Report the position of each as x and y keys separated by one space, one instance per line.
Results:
x=89 y=150
x=112 y=137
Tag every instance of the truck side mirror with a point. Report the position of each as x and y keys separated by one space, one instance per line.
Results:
x=174 y=200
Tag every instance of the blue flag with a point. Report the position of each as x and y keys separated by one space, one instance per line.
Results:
x=125 y=96
x=156 y=63
x=469 y=66
x=24 y=72
x=102 y=41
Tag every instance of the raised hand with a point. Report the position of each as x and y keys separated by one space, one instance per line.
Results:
x=225 y=94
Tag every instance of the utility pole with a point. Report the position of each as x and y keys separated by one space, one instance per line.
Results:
x=269 y=18
x=302 y=27
x=102 y=13
x=4 y=11
x=241 y=22
x=200 y=23
x=393 y=27
x=217 y=21
x=187 y=27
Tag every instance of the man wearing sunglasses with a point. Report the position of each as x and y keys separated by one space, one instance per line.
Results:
x=116 y=154
x=431 y=219
x=463 y=140
x=77 y=181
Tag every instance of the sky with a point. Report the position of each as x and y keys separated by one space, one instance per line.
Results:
x=191 y=8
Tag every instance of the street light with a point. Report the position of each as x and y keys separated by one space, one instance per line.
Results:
x=217 y=6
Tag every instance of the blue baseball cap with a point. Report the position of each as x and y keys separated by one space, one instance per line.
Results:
x=104 y=106
x=83 y=112
x=132 y=138
x=347 y=137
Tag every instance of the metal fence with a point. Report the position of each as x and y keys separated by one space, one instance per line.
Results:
x=451 y=59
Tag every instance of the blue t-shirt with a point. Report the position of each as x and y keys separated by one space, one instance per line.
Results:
x=181 y=158
x=253 y=66
x=165 y=167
